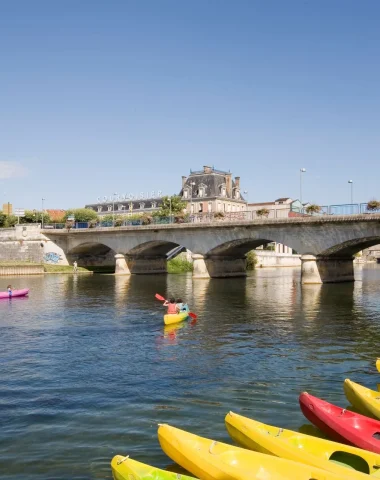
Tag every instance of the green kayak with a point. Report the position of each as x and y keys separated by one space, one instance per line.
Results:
x=124 y=468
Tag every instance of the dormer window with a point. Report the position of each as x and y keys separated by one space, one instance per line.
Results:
x=154 y=204
x=110 y=208
x=100 y=209
x=237 y=194
x=223 y=191
x=120 y=207
x=186 y=193
x=202 y=190
x=142 y=205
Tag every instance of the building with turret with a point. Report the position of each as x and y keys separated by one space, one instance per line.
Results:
x=210 y=190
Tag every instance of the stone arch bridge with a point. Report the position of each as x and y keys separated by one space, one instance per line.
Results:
x=326 y=244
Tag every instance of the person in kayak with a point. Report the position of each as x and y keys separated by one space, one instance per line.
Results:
x=172 y=307
x=182 y=307
x=9 y=288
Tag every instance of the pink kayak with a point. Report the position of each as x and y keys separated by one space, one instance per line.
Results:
x=15 y=293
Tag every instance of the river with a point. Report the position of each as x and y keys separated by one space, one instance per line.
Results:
x=87 y=369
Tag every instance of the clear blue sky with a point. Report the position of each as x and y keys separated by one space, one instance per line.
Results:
x=122 y=96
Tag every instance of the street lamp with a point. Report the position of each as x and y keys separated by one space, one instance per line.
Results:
x=302 y=170
x=191 y=198
x=113 y=209
x=42 y=213
x=170 y=209
x=352 y=191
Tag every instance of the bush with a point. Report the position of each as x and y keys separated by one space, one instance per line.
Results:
x=262 y=212
x=81 y=214
x=251 y=260
x=218 y=215
x=313 y=209
x=179 y=265
x=373 y=205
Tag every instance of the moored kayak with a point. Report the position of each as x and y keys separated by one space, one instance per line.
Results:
x=15 y=293
x=340 y=424
x=331 y=456
x=175 y=318
x=124 y=468
x=364 y=399
x=212 y=460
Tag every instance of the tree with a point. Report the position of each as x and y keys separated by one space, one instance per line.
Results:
x=373 y=205
x=174 y=205
x=33 y=216
x=262 y=212
x=313 y=208
x=3 y=219
x=81 y=214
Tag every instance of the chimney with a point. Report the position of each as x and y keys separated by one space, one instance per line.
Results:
x=237 y=182
x=229 y=184
x=183 y=181
x=207 y=169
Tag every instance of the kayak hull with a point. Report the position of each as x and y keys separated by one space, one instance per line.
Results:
x=210 y=460
x=124 y=468
x=175 y=318
x=318 y=452
x=340 y=424
x=362 y=398
x=15 y=293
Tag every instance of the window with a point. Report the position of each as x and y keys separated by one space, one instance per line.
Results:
x=229 y=207
x=219 y=207
x=200 y=207
x=223 y=191
x=237 y=193
x=110 y=208
x=186 y=193
x=192 y=208
x=210 y=206
x=100 y=209
x=142 y=205
x=154 y=204
x=201 y=192
x=120 y=207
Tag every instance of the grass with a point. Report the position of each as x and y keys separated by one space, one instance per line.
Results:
x=63 y=269
x=17 y=263
x=179 y=265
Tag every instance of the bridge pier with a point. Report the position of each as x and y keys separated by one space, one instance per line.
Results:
x=121 y=266
x=326 y=269
x=218 y=266
x=146 y=264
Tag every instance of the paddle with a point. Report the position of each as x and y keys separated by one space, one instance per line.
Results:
x=162 y=299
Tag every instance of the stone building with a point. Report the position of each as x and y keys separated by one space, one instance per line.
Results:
x=211 y=190
x=126 y=207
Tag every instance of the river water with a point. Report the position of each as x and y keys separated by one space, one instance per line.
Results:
x=87 y=368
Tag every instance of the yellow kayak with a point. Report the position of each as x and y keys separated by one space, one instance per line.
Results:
x=210 y=460
x=378 y=364
x=331 y=456
x=175 y=318
x=367 y=401
x=124 y=468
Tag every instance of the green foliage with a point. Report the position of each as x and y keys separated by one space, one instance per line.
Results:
x=251 y=260
x=2 y=219
x=262 y=212
x=373 y=205
x=313 y=209
x=179 y=265
x=173 y=204
x=81 y=214
x=218 y=215
x=10 y=221
x=34 y=216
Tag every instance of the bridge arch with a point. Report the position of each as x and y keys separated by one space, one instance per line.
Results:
x=92 y=254
x=351 y=247
x=239 y=248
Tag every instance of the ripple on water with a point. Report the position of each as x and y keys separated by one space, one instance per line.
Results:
x=87 y=370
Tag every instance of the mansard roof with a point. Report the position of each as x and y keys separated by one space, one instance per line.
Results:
x=212 y=182
x=148 y=204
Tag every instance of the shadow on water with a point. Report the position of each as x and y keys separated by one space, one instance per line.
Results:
x=88 y=369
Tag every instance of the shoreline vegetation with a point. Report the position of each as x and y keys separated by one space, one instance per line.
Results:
x=176 y=265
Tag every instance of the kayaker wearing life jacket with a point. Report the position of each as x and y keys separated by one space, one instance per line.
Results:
x=9 y=288
x=172 y=307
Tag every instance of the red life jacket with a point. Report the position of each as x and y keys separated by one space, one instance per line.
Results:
x=172 y=308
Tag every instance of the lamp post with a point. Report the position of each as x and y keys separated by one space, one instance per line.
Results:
x=302 y=170
x=191 y=198
x=170 y=209
x=352 y=191
x=113 y=209
x=42 y=213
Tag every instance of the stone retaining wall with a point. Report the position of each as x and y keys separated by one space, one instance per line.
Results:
x=22 y=270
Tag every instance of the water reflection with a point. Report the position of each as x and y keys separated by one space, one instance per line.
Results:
x=88 y=368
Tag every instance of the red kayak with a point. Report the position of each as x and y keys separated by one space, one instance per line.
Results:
x=340 y=424
x=15 y=293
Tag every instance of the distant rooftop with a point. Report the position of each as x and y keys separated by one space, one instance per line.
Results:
x=207 y=169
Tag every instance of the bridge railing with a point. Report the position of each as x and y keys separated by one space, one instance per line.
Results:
x=214 y=217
